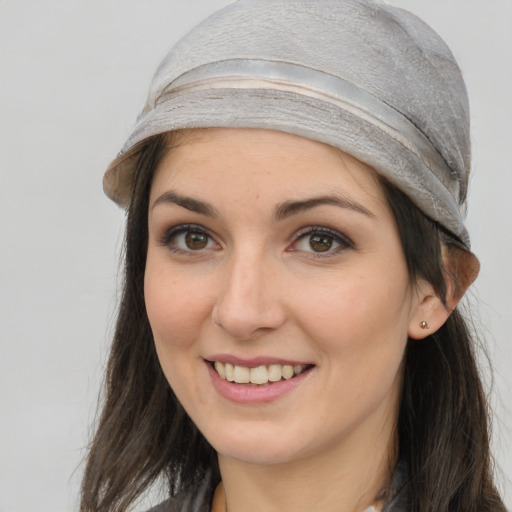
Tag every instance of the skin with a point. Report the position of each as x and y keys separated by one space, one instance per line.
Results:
x=256 y=286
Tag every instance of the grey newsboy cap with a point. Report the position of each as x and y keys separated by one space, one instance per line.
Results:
x=363 y=76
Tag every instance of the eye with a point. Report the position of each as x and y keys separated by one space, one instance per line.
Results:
x=188 y=238
x=321 y=240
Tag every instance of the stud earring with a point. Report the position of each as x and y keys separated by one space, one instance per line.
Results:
x=424 y=324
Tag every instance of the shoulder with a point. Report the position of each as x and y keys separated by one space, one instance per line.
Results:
x=183 y=503
x=196 y=499
x=398 y=490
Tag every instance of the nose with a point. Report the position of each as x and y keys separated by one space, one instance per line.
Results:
x=248 y=303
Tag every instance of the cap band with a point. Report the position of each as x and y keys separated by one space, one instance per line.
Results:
x=287 y=77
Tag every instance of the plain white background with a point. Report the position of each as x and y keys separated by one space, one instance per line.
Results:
x=73 y=75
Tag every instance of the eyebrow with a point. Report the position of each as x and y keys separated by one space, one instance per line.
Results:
x=194 y=205
x=282 y=211
x=289 y=208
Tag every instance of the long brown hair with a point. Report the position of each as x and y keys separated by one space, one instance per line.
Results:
x=144 y=433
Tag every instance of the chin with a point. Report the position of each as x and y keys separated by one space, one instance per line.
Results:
x=262 y=456
x=264 y=447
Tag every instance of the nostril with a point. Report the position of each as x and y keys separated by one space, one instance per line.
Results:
x=246 y=320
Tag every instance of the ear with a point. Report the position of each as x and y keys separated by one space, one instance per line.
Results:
x=431 y=312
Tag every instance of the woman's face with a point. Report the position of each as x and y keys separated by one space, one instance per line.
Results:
x=277 y=260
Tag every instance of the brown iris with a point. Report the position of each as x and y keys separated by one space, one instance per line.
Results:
x=196 y=240
x=320 y=243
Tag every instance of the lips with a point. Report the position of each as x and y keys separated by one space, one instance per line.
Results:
x=257 y=375
x=252 y=380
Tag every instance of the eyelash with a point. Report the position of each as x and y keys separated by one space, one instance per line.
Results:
x=343 y=241
x=171 y=234
x=334 y=236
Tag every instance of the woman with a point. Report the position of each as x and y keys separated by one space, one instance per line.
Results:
x=288 y=336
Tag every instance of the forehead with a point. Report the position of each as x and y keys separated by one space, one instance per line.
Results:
x=260 y=161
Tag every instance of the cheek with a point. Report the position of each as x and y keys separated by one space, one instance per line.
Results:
x=177 y=311
x=176 y=306
x=359 y=323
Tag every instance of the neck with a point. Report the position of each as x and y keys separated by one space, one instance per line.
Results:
x=347 y=479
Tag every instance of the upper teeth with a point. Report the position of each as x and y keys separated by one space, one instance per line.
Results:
x=259 y=375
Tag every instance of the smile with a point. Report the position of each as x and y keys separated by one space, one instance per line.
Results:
x=260 y=375
x=256 y=381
